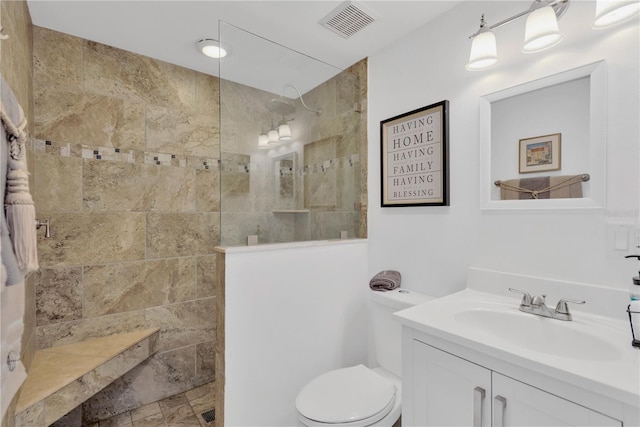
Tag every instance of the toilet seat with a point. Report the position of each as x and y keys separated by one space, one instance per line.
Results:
x=355 y=396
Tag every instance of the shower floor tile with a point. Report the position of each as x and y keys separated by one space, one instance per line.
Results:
x=181 y=410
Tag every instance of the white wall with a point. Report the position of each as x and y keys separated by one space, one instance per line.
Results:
x=433 y=246
x=294 y=311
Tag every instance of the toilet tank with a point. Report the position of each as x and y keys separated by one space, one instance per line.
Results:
x=385 y=331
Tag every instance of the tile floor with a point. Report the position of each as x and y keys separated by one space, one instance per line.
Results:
x=181 y=410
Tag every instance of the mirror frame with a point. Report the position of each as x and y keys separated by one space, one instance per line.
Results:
x=597 y=141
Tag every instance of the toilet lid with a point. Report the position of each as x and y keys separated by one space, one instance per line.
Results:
x=345 y=395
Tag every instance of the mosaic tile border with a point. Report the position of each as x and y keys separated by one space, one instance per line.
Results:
x=326 y=165
x=113 y=154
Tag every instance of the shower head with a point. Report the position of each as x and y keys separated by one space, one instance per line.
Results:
x=284 y=106
x=281 y=106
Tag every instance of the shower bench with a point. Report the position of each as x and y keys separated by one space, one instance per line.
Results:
x=62 y=377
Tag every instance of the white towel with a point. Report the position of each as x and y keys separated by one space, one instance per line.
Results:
x=11 y=297
x=11 y=328
x=19 y=209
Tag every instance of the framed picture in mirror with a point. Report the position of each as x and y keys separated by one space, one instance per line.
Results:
x=540 y=153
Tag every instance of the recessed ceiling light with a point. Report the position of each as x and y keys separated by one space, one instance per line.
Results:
x=212 y=48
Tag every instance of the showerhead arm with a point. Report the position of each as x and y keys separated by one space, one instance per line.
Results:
x=318 y=111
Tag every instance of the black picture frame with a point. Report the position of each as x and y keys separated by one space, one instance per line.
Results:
x=414 y=157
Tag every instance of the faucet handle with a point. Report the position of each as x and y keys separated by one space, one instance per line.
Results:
x=562 y=308
x=539 y=300
x=526 y=296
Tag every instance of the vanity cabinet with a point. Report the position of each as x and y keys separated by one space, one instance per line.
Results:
x=447 y=390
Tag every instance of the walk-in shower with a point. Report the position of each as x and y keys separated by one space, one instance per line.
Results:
x=291 y=132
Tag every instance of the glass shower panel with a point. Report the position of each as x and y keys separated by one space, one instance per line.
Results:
x=290 y=138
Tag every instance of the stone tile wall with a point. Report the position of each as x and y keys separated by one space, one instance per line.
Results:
x=15 y=65
x=126 y=168
x=334 y=173
x=331 y=147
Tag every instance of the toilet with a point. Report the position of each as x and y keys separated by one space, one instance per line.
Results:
x=360 y=396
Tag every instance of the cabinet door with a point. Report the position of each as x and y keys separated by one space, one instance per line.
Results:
x=518 y=404
x=448 y=390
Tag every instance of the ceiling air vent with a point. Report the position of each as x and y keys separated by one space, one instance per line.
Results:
x=347 y=19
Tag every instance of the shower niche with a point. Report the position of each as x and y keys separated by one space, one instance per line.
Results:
x=286 y=186
x=291 y=132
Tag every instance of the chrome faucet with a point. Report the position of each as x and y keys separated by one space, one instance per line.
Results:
x=537 y=305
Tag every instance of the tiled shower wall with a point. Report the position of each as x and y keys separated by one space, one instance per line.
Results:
x=15 y=65
x=334 y=174
x=329 y=171
x=126 y=168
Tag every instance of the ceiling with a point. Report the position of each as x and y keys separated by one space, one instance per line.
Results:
x=257 y=32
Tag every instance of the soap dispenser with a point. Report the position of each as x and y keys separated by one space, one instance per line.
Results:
x=634 y=307
x=634 y=293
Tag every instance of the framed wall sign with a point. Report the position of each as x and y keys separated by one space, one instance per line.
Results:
x=415 y=157
x=541 y=153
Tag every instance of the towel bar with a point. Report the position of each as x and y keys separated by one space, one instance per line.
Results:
x=584 y=177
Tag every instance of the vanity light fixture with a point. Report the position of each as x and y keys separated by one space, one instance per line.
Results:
x=541 y=29
x=277 y=134
x=541 y=32
x=611 y=12
x=212 y=48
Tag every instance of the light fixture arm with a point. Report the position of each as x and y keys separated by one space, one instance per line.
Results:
x=318 y=111
x=559 y=6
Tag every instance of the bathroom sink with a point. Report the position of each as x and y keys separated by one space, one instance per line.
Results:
x=570 y=339
x=492 y=321
x=592 y=351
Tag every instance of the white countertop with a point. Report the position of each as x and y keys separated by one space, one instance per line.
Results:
x=591 y=351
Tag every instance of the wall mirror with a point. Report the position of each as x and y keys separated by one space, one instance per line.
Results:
x=568 y=107
x=285 y=179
